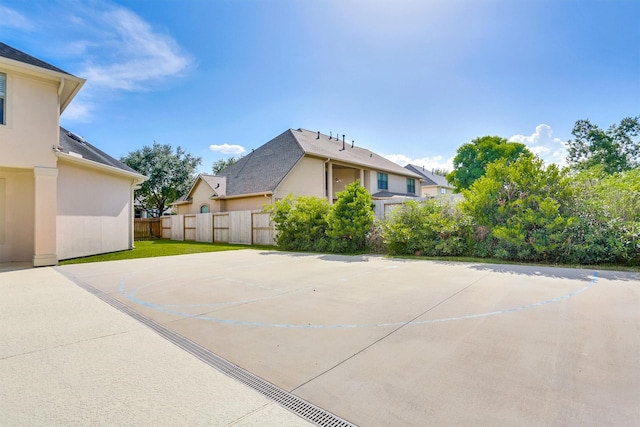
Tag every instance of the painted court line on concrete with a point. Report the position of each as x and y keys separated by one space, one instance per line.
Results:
x=165 y=309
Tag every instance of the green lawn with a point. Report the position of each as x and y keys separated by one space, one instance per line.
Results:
x=164 y=247
x=154 y=248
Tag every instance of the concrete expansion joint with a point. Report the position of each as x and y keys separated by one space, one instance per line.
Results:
x=62 y=345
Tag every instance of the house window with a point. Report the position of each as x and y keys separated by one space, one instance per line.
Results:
x=411 y=186
x=443 y=191
x=383 y=181
x=3 y=95
x=204 y=209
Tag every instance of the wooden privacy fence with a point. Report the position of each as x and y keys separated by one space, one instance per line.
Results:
x=147 y=228
x=241 y=227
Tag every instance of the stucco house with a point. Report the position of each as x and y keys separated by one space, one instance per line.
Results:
x=60 y=197
x=433 y=185
x=300 y=162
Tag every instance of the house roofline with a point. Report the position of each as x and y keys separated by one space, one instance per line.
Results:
x=238 y=196
x=61 y=77
x=139 y=178
x=364 y=166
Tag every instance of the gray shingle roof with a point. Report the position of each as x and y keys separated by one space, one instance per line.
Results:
x=265 y=167
x=386 y=194
x=71 y=143
x=332 y=148
x=429 y=177
x=9 y=52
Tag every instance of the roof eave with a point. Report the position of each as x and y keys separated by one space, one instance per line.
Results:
x=138 y=178
x=237 y=196
x=72 y=84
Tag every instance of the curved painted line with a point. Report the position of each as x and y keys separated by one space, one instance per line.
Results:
x=161 y=308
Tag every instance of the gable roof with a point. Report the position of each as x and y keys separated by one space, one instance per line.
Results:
x=75 y=146
x=262 y=170
x=429 y=178
x=265 y=167
x=69 y=85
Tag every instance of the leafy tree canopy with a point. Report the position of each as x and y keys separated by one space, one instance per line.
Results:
x=170 y=175
x=220 y=165
x=617 y=149
x=472 y=159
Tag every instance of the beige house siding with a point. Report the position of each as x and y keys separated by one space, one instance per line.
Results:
x=201 y=196
x=253 y=203
x=307 y=178
x=93 y=212
x=436 y=191
x=16 y=215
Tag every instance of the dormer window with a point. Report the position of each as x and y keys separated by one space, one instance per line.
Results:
x=3 y=95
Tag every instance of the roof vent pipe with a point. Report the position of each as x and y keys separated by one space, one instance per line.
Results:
x=318 y=137
x=352 y=143
x=330 y=135
x=343 y=142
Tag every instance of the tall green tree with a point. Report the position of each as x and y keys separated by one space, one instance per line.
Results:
x=170 y=175
x=219 y=165
x=472 y=159
x=617 y=149
x=351 y=218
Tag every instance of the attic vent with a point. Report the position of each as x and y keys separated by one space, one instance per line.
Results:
x=76 y=137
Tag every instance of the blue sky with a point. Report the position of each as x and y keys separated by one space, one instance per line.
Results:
x=409 y=79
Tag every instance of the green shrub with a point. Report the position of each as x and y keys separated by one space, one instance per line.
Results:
x=350 y=219
x=431 y=228
x=300 y=223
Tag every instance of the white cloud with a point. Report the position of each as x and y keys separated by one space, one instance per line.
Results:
x=13 y=19
x=544 y=145
x=132 y=54
x=429 y=163
x=228 y=149
x=77 y=111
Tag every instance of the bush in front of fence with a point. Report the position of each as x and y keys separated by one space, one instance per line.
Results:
x=308 y=223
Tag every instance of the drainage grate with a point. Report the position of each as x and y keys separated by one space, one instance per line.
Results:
x=290 y=401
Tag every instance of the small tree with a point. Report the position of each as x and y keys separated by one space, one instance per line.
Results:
x=170 y=175
x=221 y=164
x=350 y=219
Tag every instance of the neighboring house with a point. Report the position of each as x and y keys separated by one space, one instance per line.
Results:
x=60 y=197
x=299 y=162
x=432 y=185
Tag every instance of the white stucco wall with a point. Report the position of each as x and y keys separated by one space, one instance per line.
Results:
x=94 y=212
x=31 y=128
x=16 y=215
